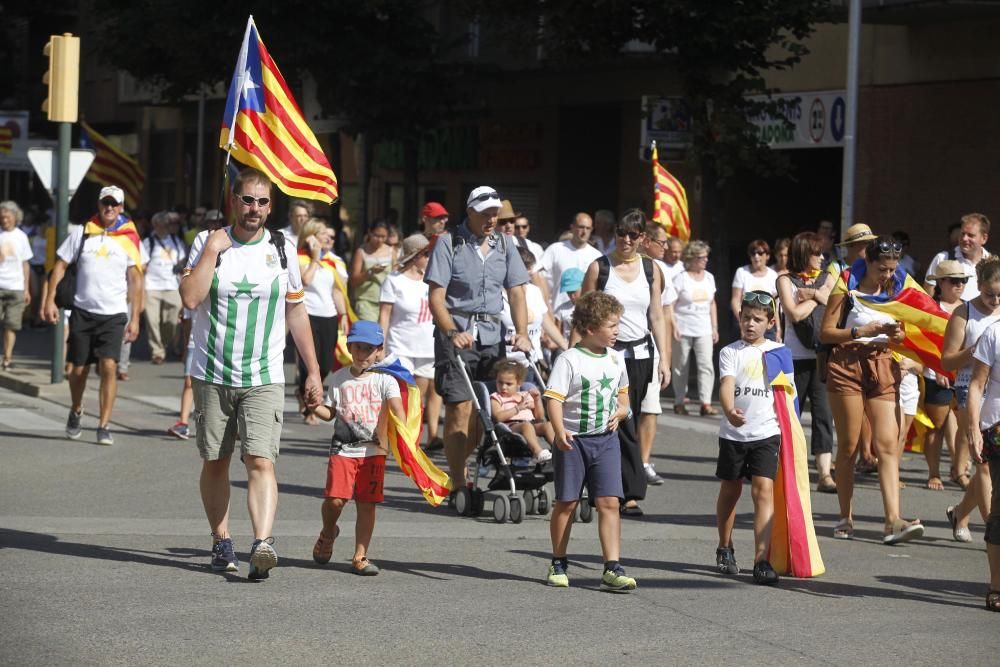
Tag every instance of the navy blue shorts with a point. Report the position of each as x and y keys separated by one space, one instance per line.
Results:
x=595 y=460
x=935 y=394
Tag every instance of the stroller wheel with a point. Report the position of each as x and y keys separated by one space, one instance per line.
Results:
x=516 y=510
x=586 y=511
x=478 y=502
x=501 y=509
x=463 y=502
x=542 y=504
x=529 y=502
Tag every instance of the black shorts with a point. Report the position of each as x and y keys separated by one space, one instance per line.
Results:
x=756 y=458
x=93 y=337
x=324 y=332
x=479 y=361
x=935 y=394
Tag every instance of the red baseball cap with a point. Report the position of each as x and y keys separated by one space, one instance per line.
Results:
x=432 y=209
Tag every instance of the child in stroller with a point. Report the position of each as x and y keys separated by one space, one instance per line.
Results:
x=520 y=410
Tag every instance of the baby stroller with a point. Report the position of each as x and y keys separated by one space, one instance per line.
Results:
x=503 y=463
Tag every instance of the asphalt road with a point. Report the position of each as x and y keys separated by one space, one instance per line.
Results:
x=104 y=552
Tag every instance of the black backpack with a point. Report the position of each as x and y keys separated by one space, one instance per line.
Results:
x=604 y=269
x=808 y=329
x=278 y=239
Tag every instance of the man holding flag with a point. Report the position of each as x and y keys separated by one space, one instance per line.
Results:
x=108 y=257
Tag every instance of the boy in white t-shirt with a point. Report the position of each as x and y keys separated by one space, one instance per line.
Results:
x=749 y=436
x=356 y=468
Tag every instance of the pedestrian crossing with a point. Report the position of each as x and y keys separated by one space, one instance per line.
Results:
x=29 y=421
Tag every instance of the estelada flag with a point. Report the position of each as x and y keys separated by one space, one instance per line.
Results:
x=794 y=549
x=923 y=319
x=263 y=127
x=670 y=203
x=404 y=437
x=112 y=166
x=122 y=232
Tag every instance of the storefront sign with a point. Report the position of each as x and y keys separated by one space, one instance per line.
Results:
x=815 y=120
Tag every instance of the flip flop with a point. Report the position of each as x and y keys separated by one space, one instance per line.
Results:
x=844 y=530
x=903 y=531
x=960 y=534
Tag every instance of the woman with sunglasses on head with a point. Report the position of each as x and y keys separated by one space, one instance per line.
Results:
x=370 y=265
x=405 y=318
x=696 y=327
x=755 y=276
x=638 y=284
x=863 y=379
x=967 y=324
x=803 y=292
x=939 y=394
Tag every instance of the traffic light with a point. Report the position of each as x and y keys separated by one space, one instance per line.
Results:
x=62 y=78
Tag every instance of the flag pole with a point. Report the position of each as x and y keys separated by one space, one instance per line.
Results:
x=225 y=186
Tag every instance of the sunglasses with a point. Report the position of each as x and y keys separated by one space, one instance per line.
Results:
x=889 y=247
x=520 y=226
x=492 y=194
x=758 y=297
x=109 y=203
x=621 y=233
x=755 y=253
x=506 y=221
x=957 y=281
x=250 y=199
x=662 y=244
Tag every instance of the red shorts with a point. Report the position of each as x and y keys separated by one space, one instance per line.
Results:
x=358 y=478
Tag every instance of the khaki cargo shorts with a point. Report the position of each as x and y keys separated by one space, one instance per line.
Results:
x=253 y=413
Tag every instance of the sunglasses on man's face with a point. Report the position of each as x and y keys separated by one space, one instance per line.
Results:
x=519 y=227
x=621 y=233
x=250 y=199
x=109 y=203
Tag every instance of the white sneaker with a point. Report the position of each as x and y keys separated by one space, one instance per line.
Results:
x=651 y=476
x=543 y=456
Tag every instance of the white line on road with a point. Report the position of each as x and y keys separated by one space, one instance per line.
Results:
x=28 y=420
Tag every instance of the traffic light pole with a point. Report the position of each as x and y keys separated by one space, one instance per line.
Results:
x=62 y=227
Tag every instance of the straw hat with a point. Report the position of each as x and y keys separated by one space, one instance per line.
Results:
x=857 y=234
x=949 y=268
x=507 y=211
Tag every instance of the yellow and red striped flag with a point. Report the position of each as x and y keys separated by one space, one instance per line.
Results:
x=264 y=129
x=113 y=167
x=123 y=232
x=6 y=140
x=670 y=202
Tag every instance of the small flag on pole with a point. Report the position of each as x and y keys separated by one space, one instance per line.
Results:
x=113 y=167
x=264 y=129
x=670 y=203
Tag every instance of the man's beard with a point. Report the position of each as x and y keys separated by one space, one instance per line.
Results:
x=251 y=224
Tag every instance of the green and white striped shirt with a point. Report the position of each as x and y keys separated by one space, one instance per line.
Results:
x=239 y=329
x=588 y=386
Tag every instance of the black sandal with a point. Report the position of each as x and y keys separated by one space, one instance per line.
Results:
x=993 y=601
x=764 y=574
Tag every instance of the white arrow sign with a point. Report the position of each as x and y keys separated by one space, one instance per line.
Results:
x=44 y=162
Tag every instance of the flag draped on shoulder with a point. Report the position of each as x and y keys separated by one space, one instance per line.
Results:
x=263 y=127
x=113 y=167
x=404 y=438
x=670 y=203
x=123 y=232
x=923 y=319
x=794 y=549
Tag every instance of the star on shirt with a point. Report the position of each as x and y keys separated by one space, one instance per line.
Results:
x=102 y=251
x=244 y=287
x=605 y=381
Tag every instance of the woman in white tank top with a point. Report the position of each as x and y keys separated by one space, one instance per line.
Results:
x=966 y=325
x=639 y=327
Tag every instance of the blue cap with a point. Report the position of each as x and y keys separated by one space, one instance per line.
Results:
x=366 y=331
x=571 y=280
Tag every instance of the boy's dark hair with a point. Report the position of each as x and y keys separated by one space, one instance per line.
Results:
x=593 y=309
x=527 y=257
x=507 y=366
x=750 y=302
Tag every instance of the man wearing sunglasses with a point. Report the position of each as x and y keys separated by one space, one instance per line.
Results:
x=968 y=253
x=466 y=272
x=522 y=227
x=245 y=290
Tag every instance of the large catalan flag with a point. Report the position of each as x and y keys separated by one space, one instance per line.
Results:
x=404 y=437
x=794 y=549
x=263 y=127
x=113 y=167
x=123 y=232
x=923 y=319
x=670 y=202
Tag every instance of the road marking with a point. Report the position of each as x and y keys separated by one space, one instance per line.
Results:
x=21 y=419
x=170 y=404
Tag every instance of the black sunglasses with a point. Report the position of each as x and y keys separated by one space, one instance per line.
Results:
x=492 y=194
x=758 y=252
x=889 y=247
x=621 y=233
x=520 y=226
x=250 y=199
x=109 y=202
x=957 y=281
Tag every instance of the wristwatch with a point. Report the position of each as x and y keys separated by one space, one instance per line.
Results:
x=451 y=333
x=854 y=333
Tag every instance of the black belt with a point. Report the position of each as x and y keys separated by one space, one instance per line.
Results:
x=477 y=317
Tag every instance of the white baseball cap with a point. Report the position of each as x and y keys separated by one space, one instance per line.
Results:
x=482 y=198
x=114 y=192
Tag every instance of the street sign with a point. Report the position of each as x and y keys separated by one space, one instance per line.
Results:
x=43 y=160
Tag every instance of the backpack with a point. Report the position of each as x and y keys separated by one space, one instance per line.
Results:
x=808 y=329
x=278 y=239
x=604 y=269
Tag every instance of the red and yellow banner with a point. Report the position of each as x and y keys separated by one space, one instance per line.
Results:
x=670 y=204
x=122 y=232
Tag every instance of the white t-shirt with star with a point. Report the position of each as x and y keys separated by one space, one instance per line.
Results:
x=745 y=363
x=239 y=329
x=15 y=250
x=588 y=386
x=101 y=277
x=164 y=254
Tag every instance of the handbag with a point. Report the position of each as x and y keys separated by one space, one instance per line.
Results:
x=66 y=289
x=991 y=443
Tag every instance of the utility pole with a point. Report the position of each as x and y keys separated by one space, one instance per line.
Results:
x=851 y=116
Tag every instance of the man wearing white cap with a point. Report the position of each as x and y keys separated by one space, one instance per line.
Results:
x=466 y=272
x=109 y=258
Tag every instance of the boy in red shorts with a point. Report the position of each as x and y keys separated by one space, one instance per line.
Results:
x=356 y=469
